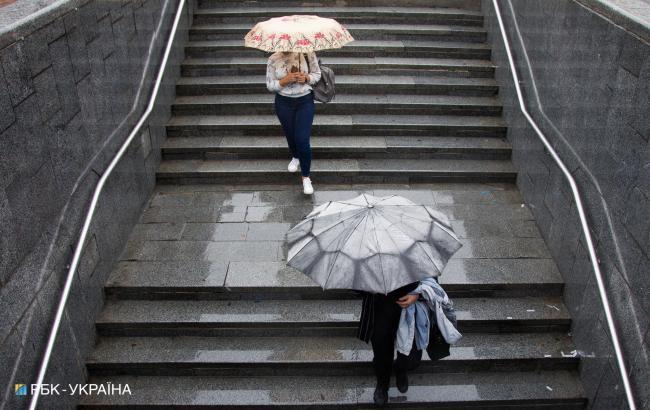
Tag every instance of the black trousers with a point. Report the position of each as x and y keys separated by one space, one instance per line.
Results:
x=386 y=321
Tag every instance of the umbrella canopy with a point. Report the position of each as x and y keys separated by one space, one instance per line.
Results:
x=371 y=244
x=299 y=33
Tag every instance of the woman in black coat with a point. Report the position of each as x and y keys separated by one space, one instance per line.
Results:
x=380 y=315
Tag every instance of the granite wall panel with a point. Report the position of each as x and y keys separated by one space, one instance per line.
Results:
x=67 y=103
x=585 y=81
x=17 y=72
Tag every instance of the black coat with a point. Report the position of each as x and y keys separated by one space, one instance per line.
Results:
x=438 y=348
x=367 y=315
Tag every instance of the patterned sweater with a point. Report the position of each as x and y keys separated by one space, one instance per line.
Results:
x=280 y=64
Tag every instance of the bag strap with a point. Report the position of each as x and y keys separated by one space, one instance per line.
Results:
x=307 y=61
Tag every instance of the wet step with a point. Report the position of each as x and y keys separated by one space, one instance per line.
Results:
x=312 y=317
x=272 y=247
x=353 y=124
x=470 y=5
x=359 y=31
x=531 y=390
x=458 y=201
x=346 y=84
x=337 y=171
x=233 y=280
x=358 y=48
x=255 y=104
x=346 y=66
x=344 y=15
x=270 y=147
x=314 y=356
x=493 y=223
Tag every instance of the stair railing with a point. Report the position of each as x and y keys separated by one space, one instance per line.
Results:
x=93 y=205
x=581 y=213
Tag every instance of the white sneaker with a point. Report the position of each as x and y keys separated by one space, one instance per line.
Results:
x=293 y=165
x=307 y=189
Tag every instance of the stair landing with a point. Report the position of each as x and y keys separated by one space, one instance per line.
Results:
x=202 y=308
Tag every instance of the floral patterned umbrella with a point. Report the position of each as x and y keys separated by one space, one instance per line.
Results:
x=299 y=33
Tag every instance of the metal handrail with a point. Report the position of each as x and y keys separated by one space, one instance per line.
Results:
x=93 y=205
x=581 y=213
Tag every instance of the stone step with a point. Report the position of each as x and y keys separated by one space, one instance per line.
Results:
x=358 y=48
x=232 y=259
x=346 y=66
x=344 y=15
x=336 y=171
x=233 y=279
x=347 y=84
x=312 y=317
x=318 y=356
x=361 y=84
x=255 y=104
x=273 y=248
x=270 y=147
x=499 y=222
x=470 y=5
x=358 y=31
x=559 y=389
x=331 y=125
x=491 y=211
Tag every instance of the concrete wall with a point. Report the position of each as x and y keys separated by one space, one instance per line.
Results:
x=68 y=84
x=593 y=79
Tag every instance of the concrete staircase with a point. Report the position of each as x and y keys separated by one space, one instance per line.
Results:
x=202 y=311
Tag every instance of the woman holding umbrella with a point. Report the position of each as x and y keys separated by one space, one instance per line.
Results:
x=292 y=71
x=391 y=250
x=291 y=78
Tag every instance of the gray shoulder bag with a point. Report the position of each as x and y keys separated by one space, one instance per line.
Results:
x=324 y=88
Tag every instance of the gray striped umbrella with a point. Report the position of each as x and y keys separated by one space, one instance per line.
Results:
x=371 y=244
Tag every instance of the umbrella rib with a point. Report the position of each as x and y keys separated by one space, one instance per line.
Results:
x=318 y=215
x=431 y=259
x=338 y=252
x=416 y=241
x=395 y=246
x=446 y=226
x=386 y=209
x=449 y=230
x=381 y=266
x=433 y=220
x=326 y=229
x=385 y=198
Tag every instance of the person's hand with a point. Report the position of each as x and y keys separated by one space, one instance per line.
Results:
x=406 y=301
x=290 y=78
x=303 y=78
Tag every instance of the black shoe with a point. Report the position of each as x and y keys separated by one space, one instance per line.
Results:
x=381 y=395
x=402 y=381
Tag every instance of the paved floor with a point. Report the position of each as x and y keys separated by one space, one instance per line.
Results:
x=217 y=235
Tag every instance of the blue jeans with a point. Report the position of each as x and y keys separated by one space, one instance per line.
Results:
x=296 y=115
